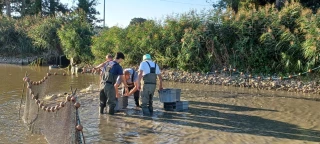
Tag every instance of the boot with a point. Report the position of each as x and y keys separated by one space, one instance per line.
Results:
x=145 y=111
x=151 y=110
x=111 y=110
x=101 y=110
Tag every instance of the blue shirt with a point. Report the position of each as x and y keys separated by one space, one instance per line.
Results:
x=135 y=76
x=116 y=68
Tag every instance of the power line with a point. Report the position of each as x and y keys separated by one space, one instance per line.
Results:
x=184 y=3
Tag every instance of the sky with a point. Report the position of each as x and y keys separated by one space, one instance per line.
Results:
x=120 y=12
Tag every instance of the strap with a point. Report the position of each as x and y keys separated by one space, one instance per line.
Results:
x=149 y=83
x=109 y=82
x=108 y=63
x=132 y=75
x=148 y=64
x=155 y=66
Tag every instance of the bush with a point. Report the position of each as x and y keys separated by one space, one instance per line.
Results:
x=13 y=39
x=262 y=40
x=44 y=35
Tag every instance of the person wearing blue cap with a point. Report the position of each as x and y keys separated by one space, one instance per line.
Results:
x=148 y=73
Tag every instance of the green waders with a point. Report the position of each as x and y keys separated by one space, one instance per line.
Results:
x=148 y=88
x=109 y=94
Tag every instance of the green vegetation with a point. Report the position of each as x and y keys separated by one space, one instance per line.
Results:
x=259 y=39
x=262 y=40
x=75 y=36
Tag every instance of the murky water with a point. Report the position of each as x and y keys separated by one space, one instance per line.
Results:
x=216 y=115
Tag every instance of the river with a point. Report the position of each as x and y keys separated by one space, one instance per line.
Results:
x=222 y=115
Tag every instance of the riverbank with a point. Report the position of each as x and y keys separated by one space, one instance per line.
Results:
x=290 y=85
x=244 y=81
x=17 y=60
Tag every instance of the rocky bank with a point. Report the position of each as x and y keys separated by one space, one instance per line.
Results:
x=291 y=85
x=15 y=60
x=223 y=79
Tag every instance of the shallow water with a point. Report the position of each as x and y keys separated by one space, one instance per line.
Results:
x=216 y=115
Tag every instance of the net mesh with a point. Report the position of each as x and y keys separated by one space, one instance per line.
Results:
x=55 y=117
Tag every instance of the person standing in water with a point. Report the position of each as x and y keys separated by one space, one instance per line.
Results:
x=111 y=71
x=100 y=67
x=131 y=77
x=148 y=73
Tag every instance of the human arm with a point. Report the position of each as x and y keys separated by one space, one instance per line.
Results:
x=123 y=79
x=100 y=65
x=116 y=85
x=139 y=79
x=116 y=89
x=158 y=72
x=125 y=84
x=132 y=91
x=160 y=81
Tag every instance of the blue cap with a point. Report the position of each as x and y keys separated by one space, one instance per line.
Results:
x=147 y=57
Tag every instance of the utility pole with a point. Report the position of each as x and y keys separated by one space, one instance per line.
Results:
x=104 y=13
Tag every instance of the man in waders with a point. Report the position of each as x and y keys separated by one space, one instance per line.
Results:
x=131 y=77
x=111 y=72
x=100 y=67
x=148 y=73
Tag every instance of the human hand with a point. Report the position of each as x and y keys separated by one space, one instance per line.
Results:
x=117 y=95
x=126 y=90
x=138 y=87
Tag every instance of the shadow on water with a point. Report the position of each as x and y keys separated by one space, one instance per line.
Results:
x=201 y=116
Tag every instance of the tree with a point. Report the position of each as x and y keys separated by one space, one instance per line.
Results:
x=1 y=6
x=135 y=21
x=75 y=36
x=51 y=7
x=88 y=6
x=312 y=4
x=8 y=8
x=44 y=35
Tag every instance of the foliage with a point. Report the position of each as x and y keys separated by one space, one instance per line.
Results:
x=314 y=5
x=44 y=35
x=75 y=36
x=13 y=39
x=135 y=21
x=108 y=41
x=88 y=6
x=259 y=40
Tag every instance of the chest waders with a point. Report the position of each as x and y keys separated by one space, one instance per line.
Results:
x=109 y=79
x=148 y=87
x=130 y=87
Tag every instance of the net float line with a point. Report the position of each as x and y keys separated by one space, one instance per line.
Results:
x=70 y=99
x=39 y=82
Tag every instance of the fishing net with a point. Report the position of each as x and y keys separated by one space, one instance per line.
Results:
x=55 y=117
